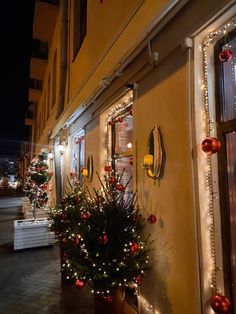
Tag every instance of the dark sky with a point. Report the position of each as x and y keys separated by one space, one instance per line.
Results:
x=16 y=20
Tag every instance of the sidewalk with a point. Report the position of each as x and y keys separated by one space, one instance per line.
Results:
x=30 y=280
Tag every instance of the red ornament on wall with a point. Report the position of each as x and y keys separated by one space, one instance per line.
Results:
x=211 y=145
x=79 y=283
x=152 y=219
x=225 y=55
x=134 y=247
x=220 y=304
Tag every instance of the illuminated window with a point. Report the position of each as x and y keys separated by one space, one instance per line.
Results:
x=78 y=155
x=121 y=129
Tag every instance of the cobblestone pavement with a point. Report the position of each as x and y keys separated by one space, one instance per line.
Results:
x=30 y=280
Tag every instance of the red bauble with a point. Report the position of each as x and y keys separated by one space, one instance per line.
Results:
x=108 y=298
x=79 y=283
x=225 y=55
x=77 y=200
x=112 y=180
x=220 y=304
x=103 y=239
x=38 y=169
x=131 y=112
x=211 y=145
x=64 y=240
x=131 y=161
x=152 y=219
x=134 y=247
x=120 y=187
x=110 y=122
x=45 y=186
x=76 y=241
x=107 y=168
x=85 y=216
x=120 y=120
x=99 y=199
x=139 y=279
x=72 y=174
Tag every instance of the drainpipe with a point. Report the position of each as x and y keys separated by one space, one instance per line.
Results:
x=63 y=59
x=188 y=46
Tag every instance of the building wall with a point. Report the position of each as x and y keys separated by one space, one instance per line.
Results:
x=162 y=100
x=173 y=283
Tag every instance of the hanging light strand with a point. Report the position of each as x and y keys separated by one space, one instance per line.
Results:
x=208 y=172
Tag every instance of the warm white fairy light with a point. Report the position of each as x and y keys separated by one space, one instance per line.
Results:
x=205 y=161
x=148 y=307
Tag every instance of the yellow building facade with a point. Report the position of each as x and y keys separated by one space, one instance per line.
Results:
x=96 y=60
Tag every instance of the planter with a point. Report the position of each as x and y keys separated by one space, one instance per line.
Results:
x=29 y=233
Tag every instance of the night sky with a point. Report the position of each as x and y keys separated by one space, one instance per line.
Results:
x=16 y=37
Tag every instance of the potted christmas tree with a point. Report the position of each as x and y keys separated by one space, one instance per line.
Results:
x=102 y=240
x=36 y=183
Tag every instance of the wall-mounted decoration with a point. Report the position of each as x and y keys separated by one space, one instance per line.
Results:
x=153 y=161
x=210 y=145
x=88 y=171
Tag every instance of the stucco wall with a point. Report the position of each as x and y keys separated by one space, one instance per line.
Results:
x=172 y=285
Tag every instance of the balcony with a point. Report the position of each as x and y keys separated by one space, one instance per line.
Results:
x=45 y=15
x=35 y=90
x=39 y=49
x=37 y=68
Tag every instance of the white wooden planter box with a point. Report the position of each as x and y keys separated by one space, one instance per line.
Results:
x=29 y=233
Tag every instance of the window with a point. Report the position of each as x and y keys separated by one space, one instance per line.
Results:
x=120 y=132
x=54 y=79
x=226 y=132
x=35 y=84
x=79 y=25
x=78 y=155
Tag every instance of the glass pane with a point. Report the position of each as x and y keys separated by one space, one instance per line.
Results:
x=231 y=173
x=229 y=85
x=123 y=135
x=126 y=164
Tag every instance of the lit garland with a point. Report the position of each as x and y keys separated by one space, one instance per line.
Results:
x=210 y=39
x=116 y=111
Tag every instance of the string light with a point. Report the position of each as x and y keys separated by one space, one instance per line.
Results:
x=208 y=124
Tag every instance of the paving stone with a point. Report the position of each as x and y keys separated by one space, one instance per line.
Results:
x=30 y=280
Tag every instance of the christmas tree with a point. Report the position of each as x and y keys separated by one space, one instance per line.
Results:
x=102 y=237
x=36 y=182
